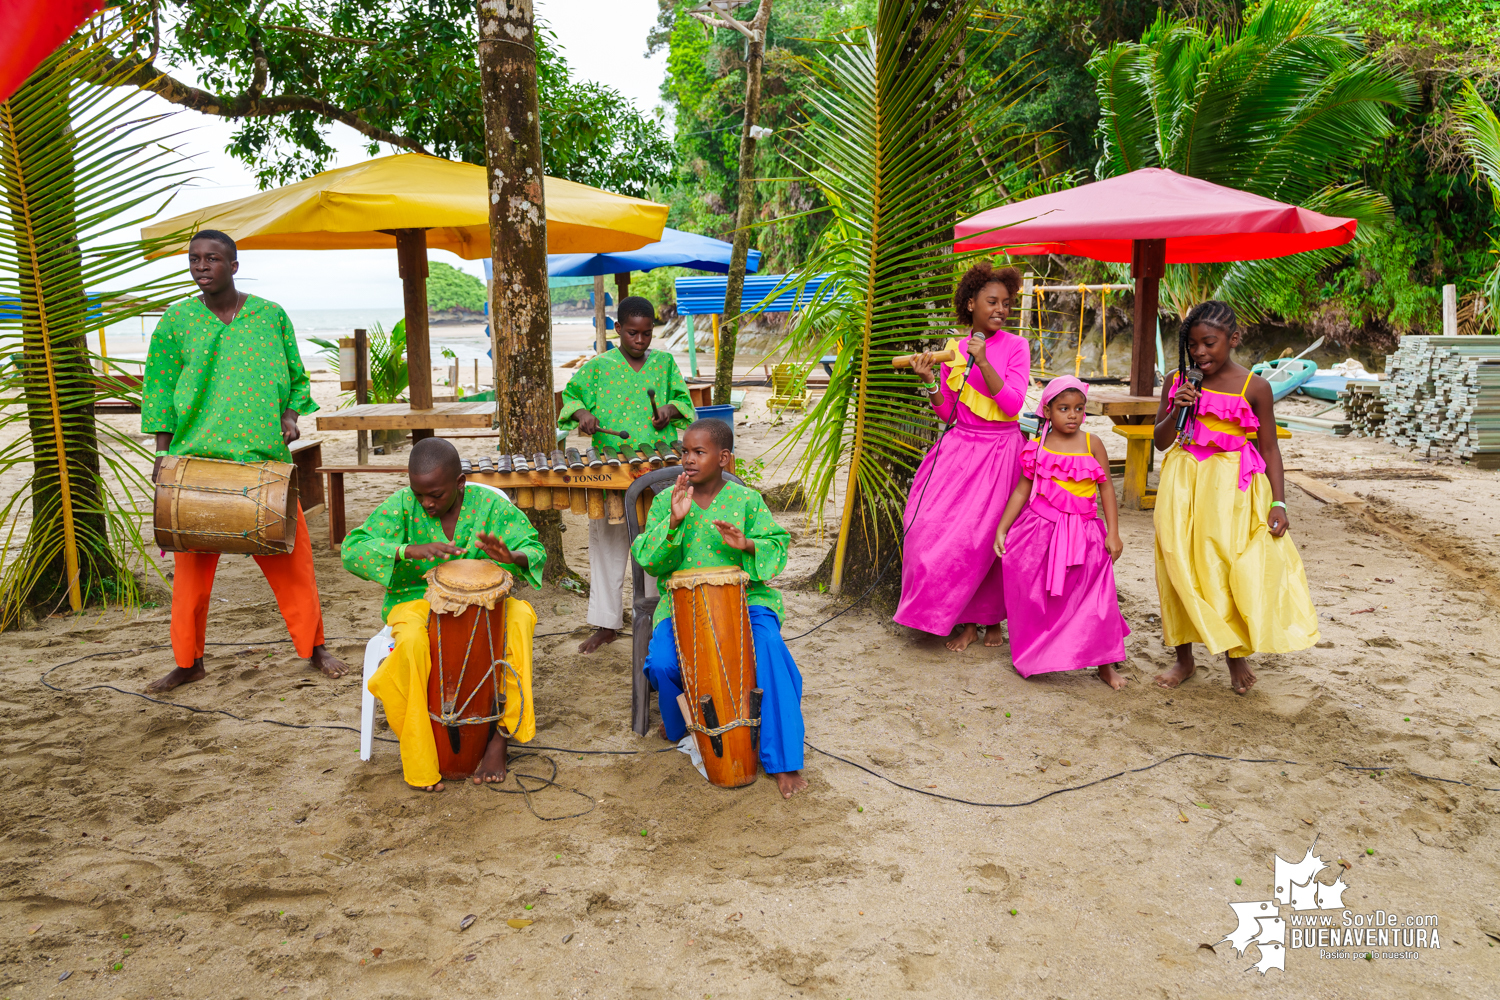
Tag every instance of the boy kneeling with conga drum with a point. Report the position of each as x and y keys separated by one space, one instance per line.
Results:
x=458 y=680
x=717 y=660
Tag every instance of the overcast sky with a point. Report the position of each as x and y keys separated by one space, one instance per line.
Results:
x=604 y=40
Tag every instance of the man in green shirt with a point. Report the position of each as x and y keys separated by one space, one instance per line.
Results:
x=441 y=516
x=224 y=379
x=610 y=391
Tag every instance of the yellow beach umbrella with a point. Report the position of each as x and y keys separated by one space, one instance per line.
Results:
x=410 y=202
x=361 y=206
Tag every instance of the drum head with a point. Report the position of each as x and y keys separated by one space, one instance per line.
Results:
x=713 y=576
x=464 y=583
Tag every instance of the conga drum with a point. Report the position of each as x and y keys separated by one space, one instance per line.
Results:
x=711 y=623
x=466 y=688
x=213 y=505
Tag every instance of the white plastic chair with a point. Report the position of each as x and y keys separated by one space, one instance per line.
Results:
x=376 y=650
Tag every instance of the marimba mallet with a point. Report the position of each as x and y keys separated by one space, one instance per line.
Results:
x=622 y=435
x=905 y=360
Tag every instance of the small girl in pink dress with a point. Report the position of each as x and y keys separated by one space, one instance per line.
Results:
x=1059 y=574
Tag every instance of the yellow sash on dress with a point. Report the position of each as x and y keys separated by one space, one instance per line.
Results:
x=980 y=405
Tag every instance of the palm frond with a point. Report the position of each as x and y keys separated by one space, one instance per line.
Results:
x=80 y=163
x=893 y=147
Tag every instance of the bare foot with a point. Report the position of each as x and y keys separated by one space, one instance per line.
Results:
x=599 y=638
x=1240 y=677
x=429 y=788
x=177 y=676
x=1109 y=675
x=968 y=635
x=661 y=730
x=789 y=783
x=491 y=769
x=325 y=661
x=994 y=635
x=1181 y=670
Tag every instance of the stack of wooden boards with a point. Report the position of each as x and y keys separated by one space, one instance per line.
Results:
x=1442 y=398
x=1364 y=406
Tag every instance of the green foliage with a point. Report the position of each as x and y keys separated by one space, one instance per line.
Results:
x=705 y=89
x=389 y=375
x=1480 y=129
x=402 y=71
x=81 y=164
x=450 y=288
x=1287 y=106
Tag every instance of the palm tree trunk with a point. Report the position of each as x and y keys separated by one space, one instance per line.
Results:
x=520 y=304
x=745 y=216
x=67 y=547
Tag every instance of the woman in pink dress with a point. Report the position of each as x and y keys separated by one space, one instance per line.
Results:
x=950 y=574
x=1059 y=556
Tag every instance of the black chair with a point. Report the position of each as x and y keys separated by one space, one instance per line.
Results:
x=644 y=605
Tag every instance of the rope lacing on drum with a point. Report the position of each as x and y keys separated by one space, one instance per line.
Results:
x=453 y=717
x=747 y=656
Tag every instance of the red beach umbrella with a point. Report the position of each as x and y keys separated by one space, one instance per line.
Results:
x=35 y=28
x=1152 y=217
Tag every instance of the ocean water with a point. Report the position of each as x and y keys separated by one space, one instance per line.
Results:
x=131 y=340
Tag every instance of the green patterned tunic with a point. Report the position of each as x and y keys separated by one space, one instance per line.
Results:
x=614 y=392
x=697 y=544
x=220 y=390
x=370 y=550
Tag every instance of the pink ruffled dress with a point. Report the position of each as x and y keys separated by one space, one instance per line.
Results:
x=1059 y=580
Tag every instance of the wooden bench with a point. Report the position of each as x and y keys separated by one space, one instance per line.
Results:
x=336 y=473
x=1138 y=444
x=307 y=455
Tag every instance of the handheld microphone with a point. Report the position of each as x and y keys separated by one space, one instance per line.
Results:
x=1194 y=379
x=976 y=345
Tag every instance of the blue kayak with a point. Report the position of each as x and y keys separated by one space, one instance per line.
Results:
x=1286 y=375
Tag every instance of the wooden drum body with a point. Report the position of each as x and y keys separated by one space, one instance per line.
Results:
x=711 y=622
x=466 y=632
x=212 y=505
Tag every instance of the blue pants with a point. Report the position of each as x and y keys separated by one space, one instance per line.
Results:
x=776 y=674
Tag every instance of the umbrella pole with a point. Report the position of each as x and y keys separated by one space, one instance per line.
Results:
x=601 y=320
x=411 y=255
x=1148 y=264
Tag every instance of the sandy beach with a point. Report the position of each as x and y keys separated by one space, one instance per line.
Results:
x=152 y=851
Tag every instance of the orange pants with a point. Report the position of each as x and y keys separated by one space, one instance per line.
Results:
x=291 y=578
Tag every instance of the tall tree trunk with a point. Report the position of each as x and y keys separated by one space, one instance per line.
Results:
x=729 y=330
x=520 y=305
x=67 y=546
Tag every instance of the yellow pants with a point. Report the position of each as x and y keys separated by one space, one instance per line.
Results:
x=401 y=684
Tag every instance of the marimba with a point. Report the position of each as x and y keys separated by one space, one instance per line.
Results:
x=591 y=483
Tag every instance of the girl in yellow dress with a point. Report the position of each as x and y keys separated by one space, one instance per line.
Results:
x=1228 y=574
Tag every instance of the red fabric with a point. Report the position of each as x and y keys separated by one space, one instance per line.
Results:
x=32 y=29
x=292 y=580
x=1201 y=222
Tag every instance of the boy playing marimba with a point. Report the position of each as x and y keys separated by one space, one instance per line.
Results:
x=703 y=522
x=610 y=391
x=438 y=518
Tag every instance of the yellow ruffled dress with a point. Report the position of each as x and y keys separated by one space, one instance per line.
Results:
x=1224 y=580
